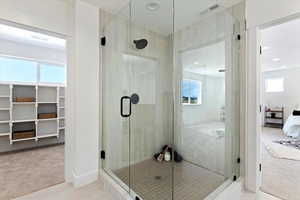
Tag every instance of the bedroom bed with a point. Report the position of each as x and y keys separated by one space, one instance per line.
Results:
x=291 y=127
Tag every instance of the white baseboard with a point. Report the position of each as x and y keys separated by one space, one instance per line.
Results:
x=232 y=192
x=113 y=188
x=85 y=179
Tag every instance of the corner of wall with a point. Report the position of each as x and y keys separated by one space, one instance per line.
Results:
x=85 y=179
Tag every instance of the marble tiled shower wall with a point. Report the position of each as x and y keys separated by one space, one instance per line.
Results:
x=150 y=123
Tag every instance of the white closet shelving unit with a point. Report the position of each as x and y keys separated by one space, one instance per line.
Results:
x=22 y=116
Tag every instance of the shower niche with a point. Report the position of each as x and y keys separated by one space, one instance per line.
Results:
x=170 y=98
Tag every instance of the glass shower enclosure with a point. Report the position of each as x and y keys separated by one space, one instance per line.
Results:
x=171 y=97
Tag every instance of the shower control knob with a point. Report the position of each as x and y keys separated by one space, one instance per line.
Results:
x=135 y=98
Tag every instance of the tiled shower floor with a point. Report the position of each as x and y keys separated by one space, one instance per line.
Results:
x=153 y=180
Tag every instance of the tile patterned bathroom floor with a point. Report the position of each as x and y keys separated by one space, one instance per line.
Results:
x=153 y=180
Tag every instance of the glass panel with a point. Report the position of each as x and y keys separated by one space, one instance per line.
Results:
x=151 y=79
x=206 y=118
x=115 y=86
x=17 y=70
x=52 y=73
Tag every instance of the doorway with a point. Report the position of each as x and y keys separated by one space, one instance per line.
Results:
x=280 y=132
x=32 y=110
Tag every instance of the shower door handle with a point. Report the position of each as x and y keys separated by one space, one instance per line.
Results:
x=122 y=106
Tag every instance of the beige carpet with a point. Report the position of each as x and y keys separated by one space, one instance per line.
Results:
x=280 y=177
x=153 y=180
x=65 y=191
x=29 y=171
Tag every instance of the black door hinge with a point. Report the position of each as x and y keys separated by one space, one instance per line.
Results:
x=260 y=167
x=260 y=50
x=102 y=155
x=260 y=108
x=238 y=37
x=234 y=178
x=103 y=41
x=238 y=160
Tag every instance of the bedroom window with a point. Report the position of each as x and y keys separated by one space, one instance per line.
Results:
x=191 y=92
x=275 y=85
x=17 y=70
x=52 y=73
x=29 y=71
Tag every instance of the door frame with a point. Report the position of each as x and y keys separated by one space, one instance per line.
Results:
x=68 y=177
x=253 y=175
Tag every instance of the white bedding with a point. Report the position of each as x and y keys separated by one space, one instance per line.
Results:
x=292 y=126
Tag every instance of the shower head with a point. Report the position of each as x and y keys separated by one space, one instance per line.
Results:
x=140 y=44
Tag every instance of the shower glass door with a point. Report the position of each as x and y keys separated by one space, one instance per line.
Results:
x=171 y=97
x=116 y=98
x=151 y=122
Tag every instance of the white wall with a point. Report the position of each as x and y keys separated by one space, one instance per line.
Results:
x=258 y=13
x=50 y=15
x=79 y=23
x=32 y=52
x=264 y=11
x=85 y=93
x=290 y=98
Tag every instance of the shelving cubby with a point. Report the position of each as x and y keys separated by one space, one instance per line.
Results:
x=31 y=111
x=61 y=123
x=4 y=91
x=61 y=112
x=47 y=129
x=5 y=98
x=22 y=131
x=47 y=94
x=61 y=92
x=24 y=94
x=4 y=115
x=23 y=112
x=4 y=129
x=4 y=103
x=47 y=111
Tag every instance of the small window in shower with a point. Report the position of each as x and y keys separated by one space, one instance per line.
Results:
x=191 y=92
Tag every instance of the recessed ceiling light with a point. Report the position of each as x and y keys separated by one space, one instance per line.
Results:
x=196 y=63
x=276 y=59
x=153 y=6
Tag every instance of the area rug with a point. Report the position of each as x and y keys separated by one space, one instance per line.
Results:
x=289 y=143
x=282 y=150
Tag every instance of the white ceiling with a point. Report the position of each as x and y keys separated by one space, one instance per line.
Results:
x=112 y=6
x=187 y=12
x=32 y=38
x=161 y=21
x=281 y=42
x=206 y=60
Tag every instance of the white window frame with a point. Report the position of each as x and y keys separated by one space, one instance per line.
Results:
x=39 y=63
x=199 y=96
